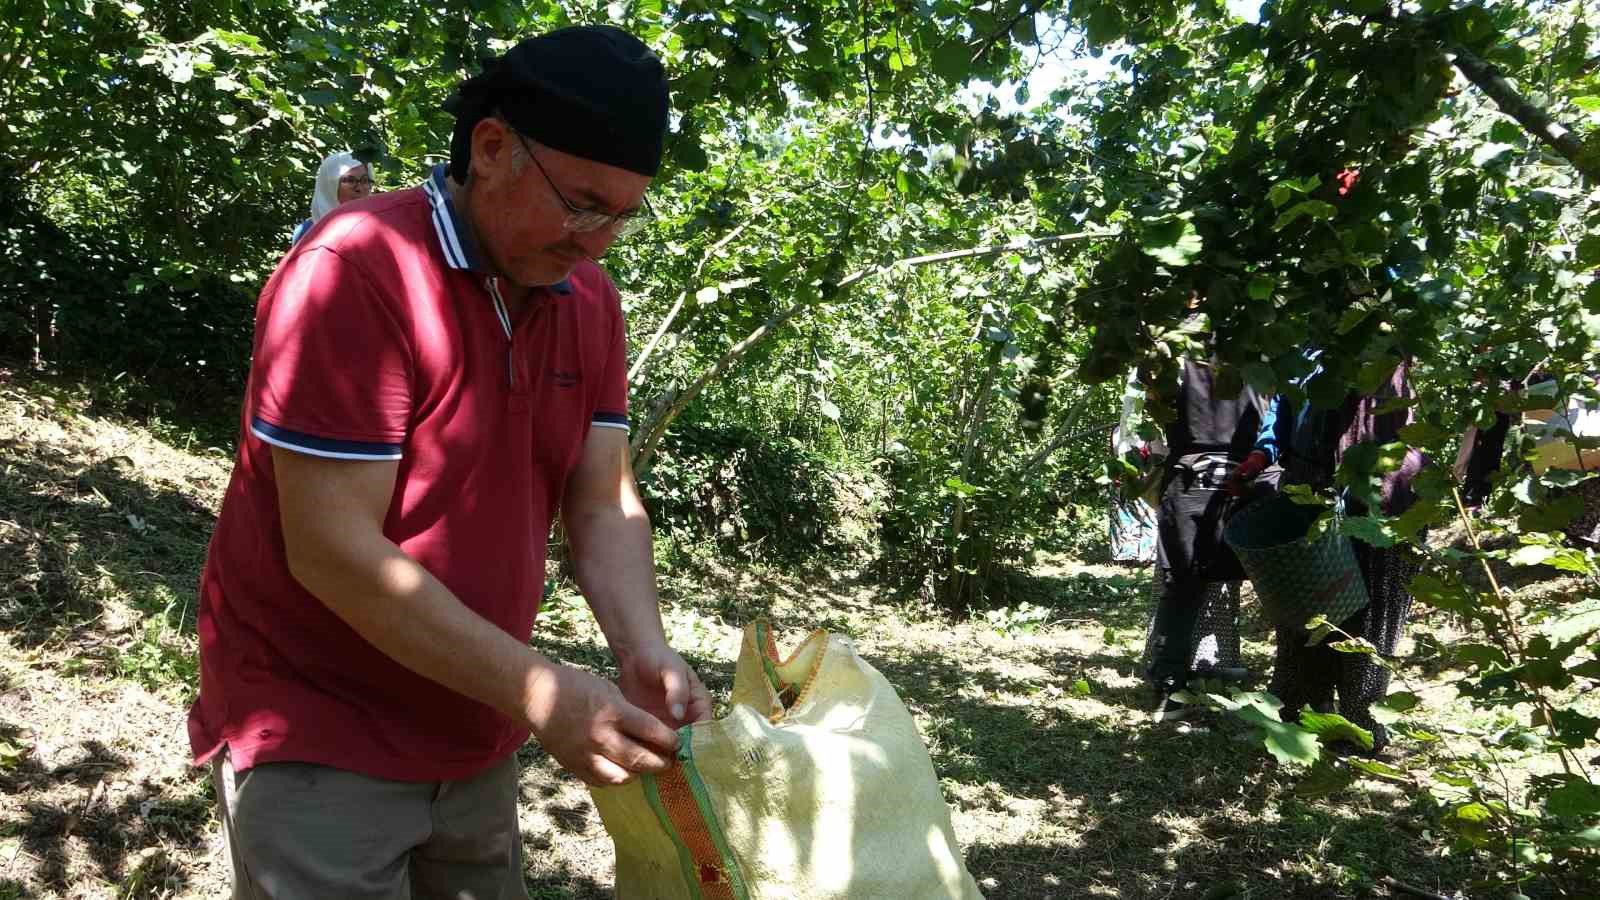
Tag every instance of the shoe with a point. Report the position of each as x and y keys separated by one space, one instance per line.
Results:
x=1170 y=709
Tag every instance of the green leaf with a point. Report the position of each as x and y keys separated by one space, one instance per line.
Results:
x=1587 y=839
x=1470 y=821
x=1355 y=314
x=1588 y=104
x=1174 y=242
x=1329 y=727
x=953 y=61
x=1574 y=728
x=1290 y=744
x=11 y=756
x=1355 y=645
x=1380 y=770
x=1531 y=555
x=1104 y=26
x=1450 y=596
x=1317 y=210
x=1422 y=434
x=960 y=488
x=1575 y=620
x=1326 y=777
x=238 y=41
x=1589 y=251
x=689 y=153
x=1284 y=191
x=1425 y=513
x=1490 y=154
x=1260 y=376
x=1362 y=7
x=1576 y=799
x=1461 y=192
x=1481 y=655
x=1369 y=530
x=1080 y=688
x=1391 y=708
x=1551 y=515
x=1260 y=287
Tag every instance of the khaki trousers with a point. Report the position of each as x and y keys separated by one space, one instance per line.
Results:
x=297 y=831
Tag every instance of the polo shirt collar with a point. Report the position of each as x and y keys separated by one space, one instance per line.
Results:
x=456 y=241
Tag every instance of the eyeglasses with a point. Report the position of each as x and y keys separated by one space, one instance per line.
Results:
x=356 y=180
x=580 y=219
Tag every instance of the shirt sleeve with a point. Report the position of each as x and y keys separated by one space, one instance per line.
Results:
x=612 y=410
x=1267 y=437
x=332 y=370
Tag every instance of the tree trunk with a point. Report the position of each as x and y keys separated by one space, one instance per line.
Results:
x=956 y=586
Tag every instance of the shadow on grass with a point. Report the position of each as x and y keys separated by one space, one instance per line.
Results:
x=146 y=821
x=562 y=883
x=71 y=545
x=1140 y=810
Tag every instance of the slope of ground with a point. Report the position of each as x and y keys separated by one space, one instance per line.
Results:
x=1058 y=785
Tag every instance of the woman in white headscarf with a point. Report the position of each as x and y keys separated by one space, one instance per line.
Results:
x=341 y=178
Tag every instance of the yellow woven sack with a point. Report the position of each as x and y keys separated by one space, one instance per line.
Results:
x=815 y=786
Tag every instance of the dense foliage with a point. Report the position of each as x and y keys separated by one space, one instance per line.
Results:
x=878 y=283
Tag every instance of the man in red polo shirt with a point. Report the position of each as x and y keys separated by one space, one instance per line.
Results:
x=436 y=373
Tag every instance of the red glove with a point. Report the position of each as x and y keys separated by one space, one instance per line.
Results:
x=1246 y=473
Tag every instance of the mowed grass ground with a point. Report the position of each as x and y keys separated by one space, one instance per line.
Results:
x=1033 y=715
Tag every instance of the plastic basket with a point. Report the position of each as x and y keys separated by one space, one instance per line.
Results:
x=1296 y=579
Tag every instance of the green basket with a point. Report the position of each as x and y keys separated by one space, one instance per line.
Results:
x=1296 y=579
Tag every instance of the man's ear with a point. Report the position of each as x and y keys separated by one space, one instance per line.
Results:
x=492 y=145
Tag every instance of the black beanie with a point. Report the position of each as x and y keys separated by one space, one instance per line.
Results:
x=593 y=91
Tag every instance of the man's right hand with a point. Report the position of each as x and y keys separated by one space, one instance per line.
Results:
x=1238 y=483
x=591 y=730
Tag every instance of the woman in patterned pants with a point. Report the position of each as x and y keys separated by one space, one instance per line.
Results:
x=1310 y=676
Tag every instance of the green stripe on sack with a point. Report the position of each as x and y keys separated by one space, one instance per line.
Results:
x=787 y=693
x=766 y=661
x=702 y=799
x=691 y=878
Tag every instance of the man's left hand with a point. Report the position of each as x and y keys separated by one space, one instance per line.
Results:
x=657 y=680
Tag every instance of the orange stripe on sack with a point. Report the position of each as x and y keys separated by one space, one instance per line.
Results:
x=684 y=813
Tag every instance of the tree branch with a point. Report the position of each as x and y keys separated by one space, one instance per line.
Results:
x=989 y=250
x=649 y=348
x=1532 y=118
x=1004 y=30
x=650 y=433
x=1061 y=439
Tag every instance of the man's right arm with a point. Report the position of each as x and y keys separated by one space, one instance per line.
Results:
x=332 y=514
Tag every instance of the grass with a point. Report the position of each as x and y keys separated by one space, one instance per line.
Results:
x=1032 y=710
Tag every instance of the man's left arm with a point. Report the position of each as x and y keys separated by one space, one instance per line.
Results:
x=609 y=533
